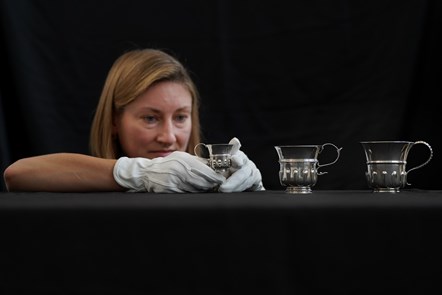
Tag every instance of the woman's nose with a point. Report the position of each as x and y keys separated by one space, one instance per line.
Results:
x=166 y=133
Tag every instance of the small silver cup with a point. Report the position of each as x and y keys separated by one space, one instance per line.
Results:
x=299 y=166
x=386 y=164
x=218 y=156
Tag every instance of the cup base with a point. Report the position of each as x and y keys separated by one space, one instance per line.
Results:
x=298 y=190
x=386 y=190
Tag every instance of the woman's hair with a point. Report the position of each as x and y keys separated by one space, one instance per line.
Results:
x=130 y=76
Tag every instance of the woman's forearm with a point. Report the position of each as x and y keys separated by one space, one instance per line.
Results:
x=62 y=172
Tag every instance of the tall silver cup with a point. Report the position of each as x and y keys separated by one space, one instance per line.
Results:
x=218 y=156
x=299 y=166
x=386 y=164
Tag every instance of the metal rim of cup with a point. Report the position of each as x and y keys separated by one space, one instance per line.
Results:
x=298 y=160
x=387 y=141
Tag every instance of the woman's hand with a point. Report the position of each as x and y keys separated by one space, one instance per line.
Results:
x=245 y=176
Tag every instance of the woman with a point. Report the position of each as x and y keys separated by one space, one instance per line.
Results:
x=142 y=138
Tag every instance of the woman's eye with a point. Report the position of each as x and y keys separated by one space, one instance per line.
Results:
x=181 y=118
x=150 y=119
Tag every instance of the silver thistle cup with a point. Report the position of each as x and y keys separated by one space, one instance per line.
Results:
x=386 y=164
x=218 y=156
x=299 y=166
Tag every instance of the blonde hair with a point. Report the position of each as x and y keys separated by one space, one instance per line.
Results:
x=130 y=76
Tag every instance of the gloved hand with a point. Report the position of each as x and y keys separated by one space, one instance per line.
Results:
x=177 y=173
x=244 y=176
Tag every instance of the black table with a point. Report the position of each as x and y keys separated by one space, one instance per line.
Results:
x=335 y=242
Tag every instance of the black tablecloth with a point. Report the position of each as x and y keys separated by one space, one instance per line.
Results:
x=338 y=242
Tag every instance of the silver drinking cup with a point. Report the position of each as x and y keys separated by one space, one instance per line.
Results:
x=299 y=166
x=386 y=164
x=218 y=156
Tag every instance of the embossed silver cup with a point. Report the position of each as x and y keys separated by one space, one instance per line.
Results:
x=299 y=166
x=218 y=156
x=386 y=164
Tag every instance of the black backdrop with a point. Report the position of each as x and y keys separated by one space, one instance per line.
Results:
x=269 y=73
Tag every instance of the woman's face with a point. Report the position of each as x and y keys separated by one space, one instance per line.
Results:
x=157 y=122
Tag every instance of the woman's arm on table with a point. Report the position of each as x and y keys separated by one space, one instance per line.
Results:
x=61 y=172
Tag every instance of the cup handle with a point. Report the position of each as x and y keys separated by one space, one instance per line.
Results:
x=429 y=158
x=197 y=148
x=338 y=151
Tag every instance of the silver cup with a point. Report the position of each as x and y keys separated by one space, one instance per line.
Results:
x=386 y=164
x=299 y=166
x=218 y=156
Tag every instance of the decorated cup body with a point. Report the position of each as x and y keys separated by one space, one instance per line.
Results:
x=386 y=164
x=298 y=170
x=218 y=156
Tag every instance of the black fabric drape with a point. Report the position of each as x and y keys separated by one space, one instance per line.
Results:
x=269 y=73
x=4 y=148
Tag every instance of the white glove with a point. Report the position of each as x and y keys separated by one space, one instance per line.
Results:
x=179 y=172
x=244 y=174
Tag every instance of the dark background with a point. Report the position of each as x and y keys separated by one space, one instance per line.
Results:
x=269 y=72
